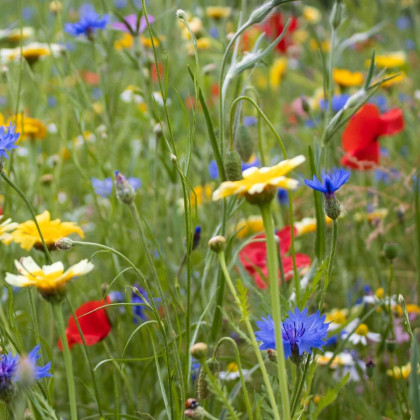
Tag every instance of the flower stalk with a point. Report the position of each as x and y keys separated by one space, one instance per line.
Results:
x=273 y=270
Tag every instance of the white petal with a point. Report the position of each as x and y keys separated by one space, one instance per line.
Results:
x=16 y=281
x=27 y=265
x=53 y=268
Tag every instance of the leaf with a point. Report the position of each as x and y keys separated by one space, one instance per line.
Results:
x=330 y=396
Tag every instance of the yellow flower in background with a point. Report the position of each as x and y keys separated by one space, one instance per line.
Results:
x=277 y=71
x=196 y=27
x=346 y=78
x=32 y=52
x=337 y=316
x=217 y=12
x=26 y=234
x=325 y=45
x=200 y=194
x=308 y=225
x=311 y=14
x=411 y=308
x=202 y=44
x=5 y=227
x=377 y=214
x=126 y=41
x=50 y=279
x=246 y=227
x=147 y=42
x=391 y=60
x=399 y=77
x=400 y=372
x=300 y=36
x=258 y=180
x=29 y=128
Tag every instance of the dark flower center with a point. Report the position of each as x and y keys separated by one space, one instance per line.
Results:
x=292 y=332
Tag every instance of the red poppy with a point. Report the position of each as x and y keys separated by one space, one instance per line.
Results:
x=95 y=326
x=360 y=137
x=274 y=26
x=254 y=257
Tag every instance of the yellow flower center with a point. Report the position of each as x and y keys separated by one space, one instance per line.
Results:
x=362 y=330
x=232 y=367
x=380 y=293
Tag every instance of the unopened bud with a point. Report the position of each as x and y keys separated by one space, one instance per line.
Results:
x=391 y=250
x=124 y=190
x=64 y=244
x=332 y=207
x=305 y=105
x=391 y=345
x=47 y=179
x=217 y=243
x=272 y=355
x=244 y=143
x=28 y=415
x=203 y=390
x=233 y=166
x=199 y=350
x=335 y=18
x=370 y=368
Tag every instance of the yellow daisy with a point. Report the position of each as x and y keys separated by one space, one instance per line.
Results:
x=50 y=280
x=200 y=194
x=259 y=180
x=125 y=42
x=400 y=372
x=311 y=14
x=246 y=227
x=26 y=234
x=308 y=225
x=346 y=78
x=30 y=128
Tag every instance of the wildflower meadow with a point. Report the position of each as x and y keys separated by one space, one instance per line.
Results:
x=210 y=209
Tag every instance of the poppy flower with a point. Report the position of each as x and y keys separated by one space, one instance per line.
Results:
x=360 y=137
x=274 y=26
x=95 y=326
x=254 y=257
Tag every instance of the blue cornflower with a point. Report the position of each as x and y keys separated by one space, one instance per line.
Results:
x=102 y=187
x=89 y=22
x=134 y=182
x=8 y=140
x=338 y=102
x=250 y=120
x=301 y=333
x=140 y=297
x=283 y=196
x=331 y=181
x=196 y=237
x=14 y=369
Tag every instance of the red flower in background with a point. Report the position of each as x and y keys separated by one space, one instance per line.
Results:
x=274 y=26
x=95 y=326
x=360 y=137
x=254 y=257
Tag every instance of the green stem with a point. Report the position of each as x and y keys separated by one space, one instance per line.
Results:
x=300 y=384
x=292 y=250
x=251 y=335
x=273 y=270
x=31 y=209
x=330 y=263
x=58 y=314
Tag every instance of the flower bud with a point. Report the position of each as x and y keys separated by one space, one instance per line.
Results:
x=305 y=105
x=272 y=355
x=332 y=207
x=391 y=250
x=197 y=237
x=199 y=350
x=203 y=391
x=370 y=369
x=217 y=243
x=336 y=14
x=125 y=192
x=233 y=166
x=391 y=345
x=244 y=143
x=64 y=244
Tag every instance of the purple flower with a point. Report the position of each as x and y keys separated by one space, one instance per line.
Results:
x=301 y=333
x=89 y=22
x=8 y=140
x=134 y=26
x=330 y=183
x=15 y=369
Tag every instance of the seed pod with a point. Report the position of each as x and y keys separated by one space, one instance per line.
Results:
x=233 y=166
x=203 y=391
x=244 y=144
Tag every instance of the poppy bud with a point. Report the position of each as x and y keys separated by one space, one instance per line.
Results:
x=233 y=166
x=391 y=250
x=244 y=144
x=335 y=18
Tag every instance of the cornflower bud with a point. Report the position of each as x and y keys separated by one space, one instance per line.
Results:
x=125 y=192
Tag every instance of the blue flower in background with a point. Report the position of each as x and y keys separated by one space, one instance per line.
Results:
x=338 y=102
x=214 y=173
x=102 y=187
x=283 y=196
x=301 y=333
x=134 y=182
x=120 y=4
x=89 y=22
x=8 y=140
x=403 y=22
x=214 y=32
x=250 y=120
x=28 y=364
x=330 y=183
x=380 y=101
x=140 y=297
